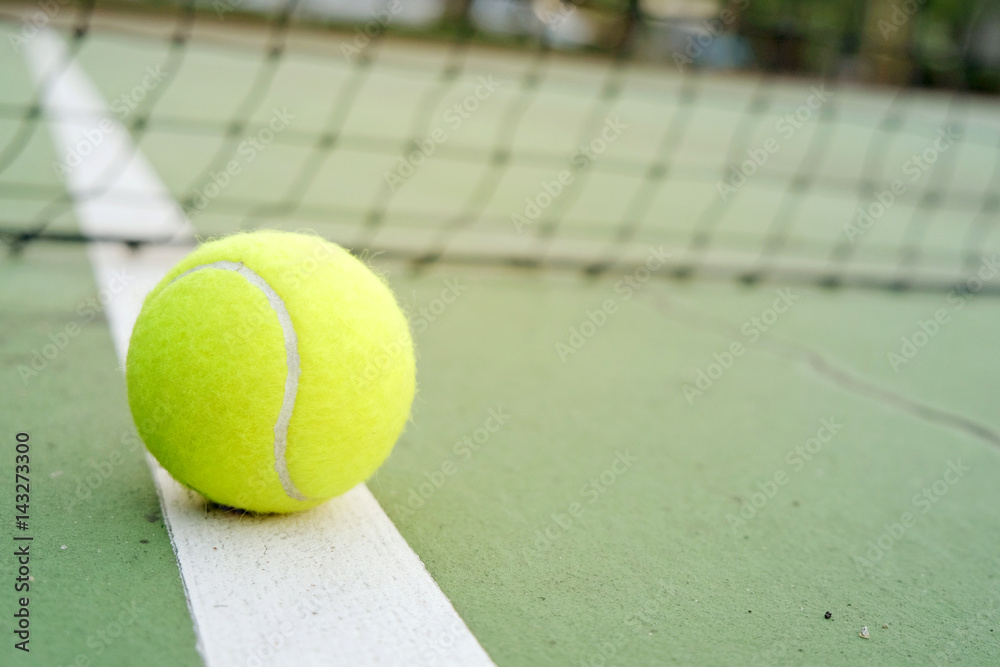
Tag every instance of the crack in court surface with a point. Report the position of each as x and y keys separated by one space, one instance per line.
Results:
x=818 y=363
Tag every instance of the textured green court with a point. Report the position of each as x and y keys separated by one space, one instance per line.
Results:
x=602 y=469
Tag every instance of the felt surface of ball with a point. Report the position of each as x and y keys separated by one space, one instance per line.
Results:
x=270 y=371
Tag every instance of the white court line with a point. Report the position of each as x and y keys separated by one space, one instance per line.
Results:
x=336 y=585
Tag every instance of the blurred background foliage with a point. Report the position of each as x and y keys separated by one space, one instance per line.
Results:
x=952 y=44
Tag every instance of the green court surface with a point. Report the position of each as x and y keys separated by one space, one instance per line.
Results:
x=100 y=547
x=609 y=469
x=654 y=568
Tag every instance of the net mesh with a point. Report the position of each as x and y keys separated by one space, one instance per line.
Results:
x=435 y=144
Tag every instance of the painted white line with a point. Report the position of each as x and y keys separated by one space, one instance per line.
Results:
x=336 y=585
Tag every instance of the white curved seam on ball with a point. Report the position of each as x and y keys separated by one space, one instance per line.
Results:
x=292 y=361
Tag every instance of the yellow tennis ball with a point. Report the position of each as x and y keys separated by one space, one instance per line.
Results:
x=270 y=371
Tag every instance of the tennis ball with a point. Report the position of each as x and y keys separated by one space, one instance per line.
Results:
x=270 y=371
